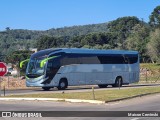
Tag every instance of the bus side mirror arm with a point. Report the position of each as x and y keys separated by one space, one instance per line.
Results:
x=22 y=62
x=42 y=63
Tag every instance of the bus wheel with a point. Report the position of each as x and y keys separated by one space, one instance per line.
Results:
x=102 y=86
x=118 y=82
x=46 y=88
x=62 y=84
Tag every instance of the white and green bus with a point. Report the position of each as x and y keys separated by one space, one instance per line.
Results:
x=65 y=67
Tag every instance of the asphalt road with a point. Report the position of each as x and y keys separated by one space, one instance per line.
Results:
x=145 y=103
x=70 y=89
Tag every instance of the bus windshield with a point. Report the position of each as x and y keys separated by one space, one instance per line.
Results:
x=34 y=68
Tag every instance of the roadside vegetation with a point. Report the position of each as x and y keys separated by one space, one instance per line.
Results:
x=102 y=95
x=155 y=67
x=149 y=73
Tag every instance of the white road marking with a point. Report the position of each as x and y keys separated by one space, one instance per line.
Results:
x=134 y=118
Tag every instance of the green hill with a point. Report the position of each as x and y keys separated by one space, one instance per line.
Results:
x=109 y=35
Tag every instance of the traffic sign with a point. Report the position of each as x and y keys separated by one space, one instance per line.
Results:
x=3 y=69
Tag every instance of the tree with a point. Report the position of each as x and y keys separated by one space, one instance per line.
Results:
x=138 y=39
x=154 y=46
x=155 y=17
x=17 y=56
x=44 y=42
x=122 y=28
x=7 y=28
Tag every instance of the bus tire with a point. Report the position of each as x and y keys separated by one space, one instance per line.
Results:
x=62 y=84
x=116 y=84
x=46 y=88
x=102 y=86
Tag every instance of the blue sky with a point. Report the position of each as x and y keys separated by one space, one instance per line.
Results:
x=47 y=14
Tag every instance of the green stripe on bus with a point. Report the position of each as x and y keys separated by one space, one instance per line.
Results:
x=45 y=60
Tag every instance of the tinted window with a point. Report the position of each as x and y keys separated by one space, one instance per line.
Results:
x=112 y=59
x=89 y=60
x=98 y=59
x=53 y=63
x=131 y=58
x=68 y=59
x=79 y=59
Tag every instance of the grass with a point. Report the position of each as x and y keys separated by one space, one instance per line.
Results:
x=150 y=66
x=153 y=72
x=103 y=95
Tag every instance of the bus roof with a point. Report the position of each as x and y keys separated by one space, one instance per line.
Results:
x=97 y=51
x=47 y=52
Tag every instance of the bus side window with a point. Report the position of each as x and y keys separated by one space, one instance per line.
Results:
x=111 y=59
x=69 y=59
x=89 y=60
x=131 y=58
x=126 y=59
x=53 y=64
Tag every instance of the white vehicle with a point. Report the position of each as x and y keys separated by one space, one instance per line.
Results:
x=72 y=66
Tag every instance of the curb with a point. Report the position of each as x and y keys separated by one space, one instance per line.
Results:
x=141 y=95
x=55 y=99
x=85 y=101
